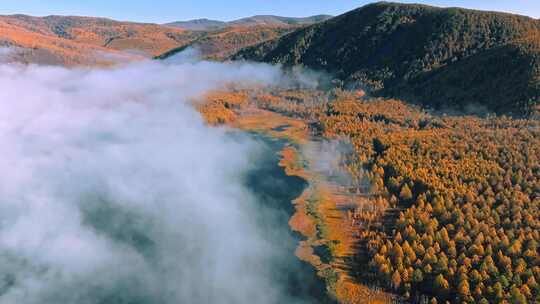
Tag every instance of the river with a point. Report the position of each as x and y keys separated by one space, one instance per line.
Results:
x=275 y=192
x=293 y=280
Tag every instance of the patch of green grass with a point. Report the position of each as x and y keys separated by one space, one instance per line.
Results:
x=331 y=278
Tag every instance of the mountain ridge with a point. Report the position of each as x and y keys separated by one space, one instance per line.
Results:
x=270 y=20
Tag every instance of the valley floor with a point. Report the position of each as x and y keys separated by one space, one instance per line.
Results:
x=324 y=210
x=434 y=208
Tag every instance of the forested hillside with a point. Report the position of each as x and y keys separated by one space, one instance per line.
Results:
x=222 y=43
x=442 y=58
x=72 y=40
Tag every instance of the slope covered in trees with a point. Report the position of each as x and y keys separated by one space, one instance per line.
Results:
x=451 y=208
x=222 y=43
x=72 y=40
x=461 y=217
x=443 y=58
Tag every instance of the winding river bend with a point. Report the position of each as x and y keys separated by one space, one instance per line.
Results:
x=275 y=192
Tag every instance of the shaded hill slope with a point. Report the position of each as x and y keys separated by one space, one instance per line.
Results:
x=442 y=58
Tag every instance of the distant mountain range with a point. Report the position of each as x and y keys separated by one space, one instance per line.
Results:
x=439 y=57
x=260 y=20
x=73 y=40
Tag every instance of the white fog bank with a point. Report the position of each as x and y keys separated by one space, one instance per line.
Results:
x=113 y=190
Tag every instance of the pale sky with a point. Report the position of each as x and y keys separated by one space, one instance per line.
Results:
x=161 y=11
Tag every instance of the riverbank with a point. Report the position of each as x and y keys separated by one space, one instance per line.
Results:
x=297 y=278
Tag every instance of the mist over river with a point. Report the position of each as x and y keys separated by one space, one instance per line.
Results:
x=117 y=191
x=291 y=280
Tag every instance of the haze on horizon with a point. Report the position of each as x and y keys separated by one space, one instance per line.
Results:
x=162 y=11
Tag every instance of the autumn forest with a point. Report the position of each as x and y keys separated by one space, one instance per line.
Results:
x=452 y=205
x=381 y=154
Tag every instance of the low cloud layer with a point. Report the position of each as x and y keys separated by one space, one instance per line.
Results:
x=113 y=190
